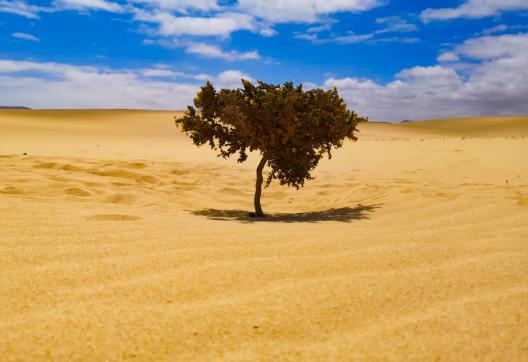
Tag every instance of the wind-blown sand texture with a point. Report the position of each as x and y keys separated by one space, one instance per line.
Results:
x=121 y=241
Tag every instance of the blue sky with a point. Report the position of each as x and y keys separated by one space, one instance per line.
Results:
x=390 y=59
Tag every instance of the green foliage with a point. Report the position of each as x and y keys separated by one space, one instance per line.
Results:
x=291 y=128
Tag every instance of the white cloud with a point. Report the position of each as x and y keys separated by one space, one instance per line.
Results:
x=474 y=9
x=66 y=86
x=95 y=91
x=392 y=24
x=319 y=28
x=494 y=82
x=19 y=7
x=219 y=25
x=398 y=39
x=212 y=51
x=177 y=23
x=181 y=6
x=282 y=11
x=267 y=32
x=162 y=73
x=206 y=50
x=347 y=39
x=22 y=8
x=448 y=57
x=490 y=77
x=307 y=36
x=351 y=38
x=88 y=5
x=495 y=47
x=395 y=24
x=495 y=29
x=25 y=36
x=309 y=86
x=14 y=66
x=56 y=85
x=231 y=79
x=439 y=77
x=203 y=77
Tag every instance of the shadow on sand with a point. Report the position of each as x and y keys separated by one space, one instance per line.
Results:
x=343 y=214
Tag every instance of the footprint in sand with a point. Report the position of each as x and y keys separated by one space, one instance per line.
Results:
x=446 y=195
x=121 y=184
x=180 y=172
x=121 y=198
x=46 y=165
x=11 y=190
x=232 y=191
x=124 y=174
x=113 y=217
x=521 y=199
x=136 y=165
x=58 y=166
x=74 y=191
x=147 y=179
x=408 y=190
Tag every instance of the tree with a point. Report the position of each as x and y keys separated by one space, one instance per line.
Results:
x=292 y=129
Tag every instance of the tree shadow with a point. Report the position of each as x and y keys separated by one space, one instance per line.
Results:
x=343 y=214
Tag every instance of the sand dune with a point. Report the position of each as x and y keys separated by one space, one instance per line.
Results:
x=121 y=241
x=482 y=127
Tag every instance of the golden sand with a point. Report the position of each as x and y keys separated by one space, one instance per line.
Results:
x=119 y=240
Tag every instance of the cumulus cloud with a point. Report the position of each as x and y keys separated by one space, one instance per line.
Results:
x=474 y=9
x=270 y=11
x=182 y=21
x=495 y=81
x=231 y=79
x=219 y=25
x=305 y=11
x=25 y=36
x=104 y=5
x=57 y=85
x=448 y=57
x=257 y=16
x=494 y=47
x=483 y=76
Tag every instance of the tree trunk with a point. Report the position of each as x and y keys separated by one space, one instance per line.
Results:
x=258 y=187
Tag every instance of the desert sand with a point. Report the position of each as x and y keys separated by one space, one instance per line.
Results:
x=122 y=241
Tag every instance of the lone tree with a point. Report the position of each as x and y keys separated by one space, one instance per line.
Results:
x=292 y=129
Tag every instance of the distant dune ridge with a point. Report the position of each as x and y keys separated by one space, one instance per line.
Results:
x=14 y=107
x=120 y=240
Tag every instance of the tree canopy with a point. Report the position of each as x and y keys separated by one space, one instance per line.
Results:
x=291 y=128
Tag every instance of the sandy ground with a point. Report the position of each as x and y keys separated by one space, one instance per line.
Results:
x=121 y=241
